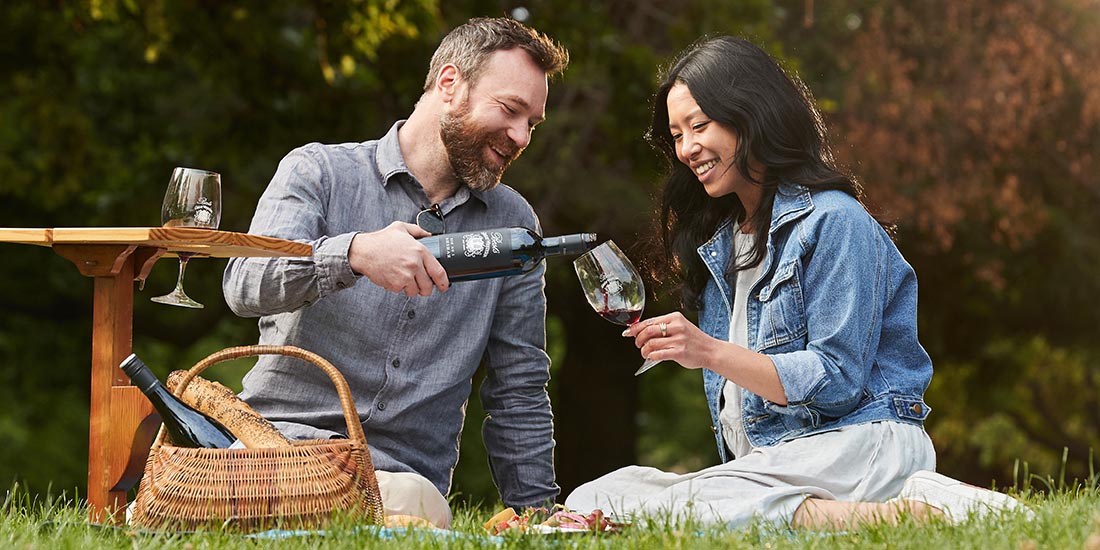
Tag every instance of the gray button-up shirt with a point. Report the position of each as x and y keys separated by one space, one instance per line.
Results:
x=410 y=362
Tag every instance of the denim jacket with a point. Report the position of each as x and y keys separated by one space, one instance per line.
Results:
x=835 y=308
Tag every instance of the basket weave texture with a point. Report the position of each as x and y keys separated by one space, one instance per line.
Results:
x=297 y=487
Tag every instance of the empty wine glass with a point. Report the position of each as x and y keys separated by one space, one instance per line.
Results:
x=193 y=199
x=613 y=287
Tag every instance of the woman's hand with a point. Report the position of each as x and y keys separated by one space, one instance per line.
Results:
x=672 y=338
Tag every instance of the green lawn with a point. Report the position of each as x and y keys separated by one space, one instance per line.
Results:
x=1065 y=519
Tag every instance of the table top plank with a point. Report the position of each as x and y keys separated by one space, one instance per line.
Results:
x=25 y=235
x=208 y=242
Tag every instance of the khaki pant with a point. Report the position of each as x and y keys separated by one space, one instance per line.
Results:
x=409 y=494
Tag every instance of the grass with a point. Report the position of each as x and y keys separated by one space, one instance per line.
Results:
x=1067 y=518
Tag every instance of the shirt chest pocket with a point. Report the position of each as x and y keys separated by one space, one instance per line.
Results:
x=782 y=309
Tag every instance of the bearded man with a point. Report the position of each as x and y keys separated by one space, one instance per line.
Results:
x=374 y=302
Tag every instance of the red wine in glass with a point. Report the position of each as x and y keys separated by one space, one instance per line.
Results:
x=621 y=316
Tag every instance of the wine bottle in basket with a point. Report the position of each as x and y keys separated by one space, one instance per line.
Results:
x=499 y=252
x=186 y=426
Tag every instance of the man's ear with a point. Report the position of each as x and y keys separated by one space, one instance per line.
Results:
x=448 y=83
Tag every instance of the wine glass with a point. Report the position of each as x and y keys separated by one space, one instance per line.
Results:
x=193 y=199
x=613 y=287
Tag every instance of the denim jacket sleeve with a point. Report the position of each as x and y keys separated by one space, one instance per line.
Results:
x=293 y=207
x=518 y=429
x=842 y=268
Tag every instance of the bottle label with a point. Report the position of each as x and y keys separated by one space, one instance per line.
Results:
x=482 y=244
x=475 y=252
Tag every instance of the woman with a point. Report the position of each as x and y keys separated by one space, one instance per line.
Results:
x=807 y=317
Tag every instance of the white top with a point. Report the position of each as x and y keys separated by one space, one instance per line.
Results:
x=733 y=430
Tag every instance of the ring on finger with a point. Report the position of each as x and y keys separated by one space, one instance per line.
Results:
x=664 y=330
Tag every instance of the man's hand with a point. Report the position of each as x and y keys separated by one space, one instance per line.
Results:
x=392 y=259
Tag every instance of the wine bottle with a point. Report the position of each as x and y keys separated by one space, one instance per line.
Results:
x=188 y=427
x=499 y=252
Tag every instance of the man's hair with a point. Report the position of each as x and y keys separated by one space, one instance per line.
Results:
x=470 y=45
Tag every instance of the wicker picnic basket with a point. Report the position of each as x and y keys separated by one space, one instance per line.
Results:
x=295 y=487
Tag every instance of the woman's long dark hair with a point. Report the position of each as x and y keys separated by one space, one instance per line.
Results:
x=772 y=113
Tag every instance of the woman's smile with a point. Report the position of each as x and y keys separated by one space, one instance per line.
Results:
x=705 y=167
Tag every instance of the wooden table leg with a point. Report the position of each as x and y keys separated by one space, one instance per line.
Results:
x=112 y=337
x=119 y=431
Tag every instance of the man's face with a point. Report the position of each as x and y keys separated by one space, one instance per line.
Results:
x=490 y=123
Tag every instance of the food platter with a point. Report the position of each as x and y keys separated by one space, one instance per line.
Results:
x=554 y=521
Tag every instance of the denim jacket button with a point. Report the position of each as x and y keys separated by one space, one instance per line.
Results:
x=915 y=408
x=714 y=428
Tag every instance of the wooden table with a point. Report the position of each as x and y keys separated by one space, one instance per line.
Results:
x=121 y=421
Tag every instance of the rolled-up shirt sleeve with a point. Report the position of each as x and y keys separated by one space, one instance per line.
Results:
x=293 y=207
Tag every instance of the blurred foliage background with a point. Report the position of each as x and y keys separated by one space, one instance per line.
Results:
x=975 y=125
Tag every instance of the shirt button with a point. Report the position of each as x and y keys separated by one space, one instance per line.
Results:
x=382 y=406
x=412 y=314
x=713 y=253
x=396 y=363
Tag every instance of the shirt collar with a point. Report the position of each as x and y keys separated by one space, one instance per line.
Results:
x=391 y=161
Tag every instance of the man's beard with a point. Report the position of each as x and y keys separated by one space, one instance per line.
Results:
x=465 y=143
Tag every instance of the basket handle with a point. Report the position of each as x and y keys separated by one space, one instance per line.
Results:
x=351 y=415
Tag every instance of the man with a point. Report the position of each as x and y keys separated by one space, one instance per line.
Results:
x=374 y=301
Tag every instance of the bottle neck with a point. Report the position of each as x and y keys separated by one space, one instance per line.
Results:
x=140 y=374
x=577 y=243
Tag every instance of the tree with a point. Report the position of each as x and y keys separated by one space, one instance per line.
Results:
x=976 y=125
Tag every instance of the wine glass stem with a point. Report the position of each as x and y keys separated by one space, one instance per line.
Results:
x=183 y=268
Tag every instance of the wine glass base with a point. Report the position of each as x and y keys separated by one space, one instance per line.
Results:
x=177 y=299
x=649 y=363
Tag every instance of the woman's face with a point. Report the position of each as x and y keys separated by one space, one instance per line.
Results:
x=703 y=145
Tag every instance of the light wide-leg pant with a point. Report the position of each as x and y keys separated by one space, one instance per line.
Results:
x=864 y=463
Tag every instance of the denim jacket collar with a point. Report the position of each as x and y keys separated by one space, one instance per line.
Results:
x=791 y=202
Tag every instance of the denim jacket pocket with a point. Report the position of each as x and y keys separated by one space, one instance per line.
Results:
x=782 y=309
